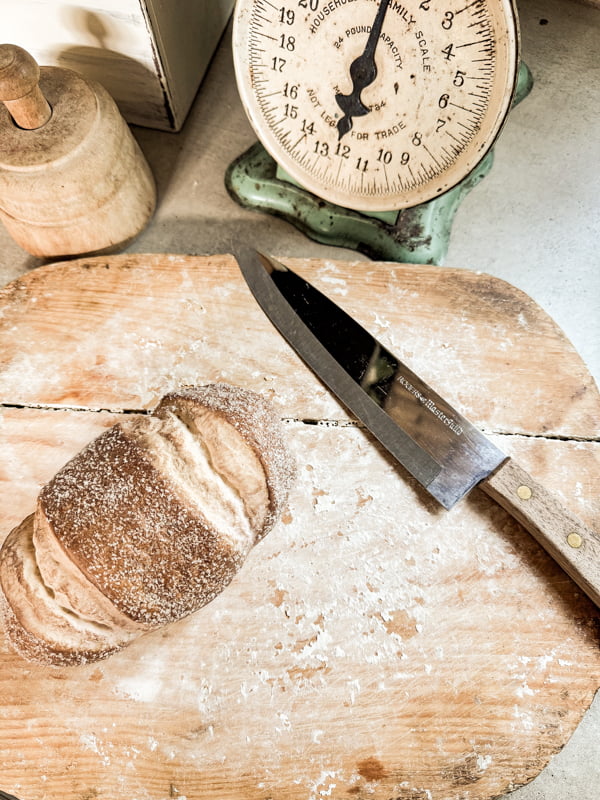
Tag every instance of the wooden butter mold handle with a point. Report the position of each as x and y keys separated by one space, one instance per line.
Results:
x=19 y=88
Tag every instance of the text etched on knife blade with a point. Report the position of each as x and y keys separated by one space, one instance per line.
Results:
x=431 y=406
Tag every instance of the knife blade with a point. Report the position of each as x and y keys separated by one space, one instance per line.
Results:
x=436 y=444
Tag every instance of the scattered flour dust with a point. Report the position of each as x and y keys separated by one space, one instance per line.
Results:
x=145 y=690
x=146 y=684
x=90 y=741
x=323 y=786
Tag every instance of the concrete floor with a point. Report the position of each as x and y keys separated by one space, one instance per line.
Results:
x=533 y=221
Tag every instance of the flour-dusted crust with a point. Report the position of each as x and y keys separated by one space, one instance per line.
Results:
x=145 y=525
x=39 y=623
x=253 y=417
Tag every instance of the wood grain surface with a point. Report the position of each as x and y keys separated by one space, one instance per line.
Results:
x=374 y=645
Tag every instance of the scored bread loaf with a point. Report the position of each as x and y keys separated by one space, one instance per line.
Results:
x=145 y=525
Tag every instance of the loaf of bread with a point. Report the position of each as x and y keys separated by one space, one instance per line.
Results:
x=144 y=526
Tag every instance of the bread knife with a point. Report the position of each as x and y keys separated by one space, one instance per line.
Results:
x=441 y=449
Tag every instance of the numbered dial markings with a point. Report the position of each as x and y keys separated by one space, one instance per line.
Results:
x=376 y=104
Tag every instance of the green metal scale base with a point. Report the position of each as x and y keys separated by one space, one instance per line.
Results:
x=418 y=235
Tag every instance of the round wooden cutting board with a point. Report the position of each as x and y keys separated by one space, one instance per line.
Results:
x=374 y=646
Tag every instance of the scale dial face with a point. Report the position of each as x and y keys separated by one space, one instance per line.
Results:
x=376 y=104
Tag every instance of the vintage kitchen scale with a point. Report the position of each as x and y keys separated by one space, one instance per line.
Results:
x=374 y=118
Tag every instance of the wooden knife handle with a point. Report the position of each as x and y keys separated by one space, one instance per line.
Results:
x=571 y=543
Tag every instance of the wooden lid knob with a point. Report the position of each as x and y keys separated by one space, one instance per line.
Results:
x=19 y=89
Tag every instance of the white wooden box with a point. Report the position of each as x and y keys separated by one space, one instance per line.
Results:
x=151 y=55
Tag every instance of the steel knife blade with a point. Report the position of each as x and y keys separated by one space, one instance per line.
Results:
x=441 y=449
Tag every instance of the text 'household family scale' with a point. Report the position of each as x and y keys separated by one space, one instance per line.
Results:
x=374 y=117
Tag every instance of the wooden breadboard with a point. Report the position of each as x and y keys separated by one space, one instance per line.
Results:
x=373 y=646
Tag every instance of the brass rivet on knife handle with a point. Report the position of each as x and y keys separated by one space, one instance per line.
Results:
x=573 y=545
x=524 y=492
x=574 y=540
